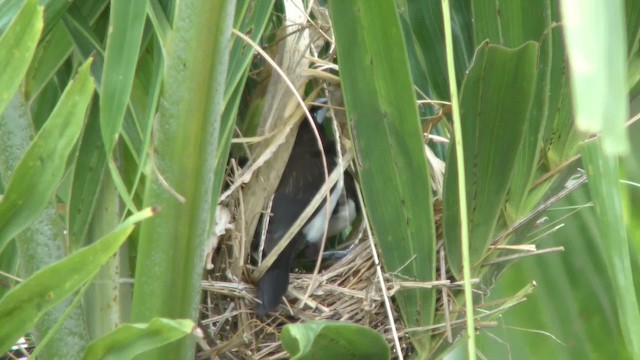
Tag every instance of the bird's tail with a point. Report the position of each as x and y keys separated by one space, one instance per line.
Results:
x=273 y=285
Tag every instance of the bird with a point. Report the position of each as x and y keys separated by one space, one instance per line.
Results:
x=302 y=178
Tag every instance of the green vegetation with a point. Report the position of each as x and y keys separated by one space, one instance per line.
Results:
x=118 y=117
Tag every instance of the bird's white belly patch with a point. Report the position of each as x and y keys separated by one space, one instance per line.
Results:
x=314 y=230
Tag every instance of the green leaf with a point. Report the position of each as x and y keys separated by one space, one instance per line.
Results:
x=53 y=10
x=27 y=302
x=121 y=55
x=495 y=102
x=521 y=201
x=422 y=23
x=27 y=193
x=54 y=49
x=602 y=171
x=509 y=22
x=42 y=243
x=17 y=45
x=8 y=265
x=333 y=340
x=90 y=46
x=384 y=124
x=254 y=16
x=87 y=180
x=596 y=45
x=130 y=340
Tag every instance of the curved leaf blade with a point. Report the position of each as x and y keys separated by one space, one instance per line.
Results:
x=129 y=340
x=121 y=55
x=17 y=46
x=384 y=124
x=333 y=340
x=496 y=98
x=27 y=302
x=602 y=171
x=27 y=193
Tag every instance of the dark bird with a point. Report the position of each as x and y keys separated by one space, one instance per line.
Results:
x=302 y=178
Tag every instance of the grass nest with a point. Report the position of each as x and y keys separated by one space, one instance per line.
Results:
x=348 y=289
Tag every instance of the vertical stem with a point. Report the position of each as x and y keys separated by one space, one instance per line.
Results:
x=182 y=161
x=464 y=228
x=102 y=302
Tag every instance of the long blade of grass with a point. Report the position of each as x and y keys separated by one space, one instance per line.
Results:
x=584 y=324
x=381 y=108
x=602 y=171
x=87 y=180
x=17 y=45
x=120 y=58
x=596 y=44
x=462 y=189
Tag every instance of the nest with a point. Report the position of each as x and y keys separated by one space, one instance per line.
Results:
x=346 y=290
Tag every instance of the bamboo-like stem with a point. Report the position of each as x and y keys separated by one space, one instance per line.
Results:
x=184 y=147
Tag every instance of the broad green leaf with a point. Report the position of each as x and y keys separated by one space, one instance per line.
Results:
x=383 y=119
x=522 y=198
x=333 y=340
x=17 y=45
x=160 y=22
x=27 y=302
x=496 y=99
x=602 y=171
x=26 y=195
x=129 y=340
x=121 y=55
x=510 y=22
x=8 y=10
x=595 y=39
